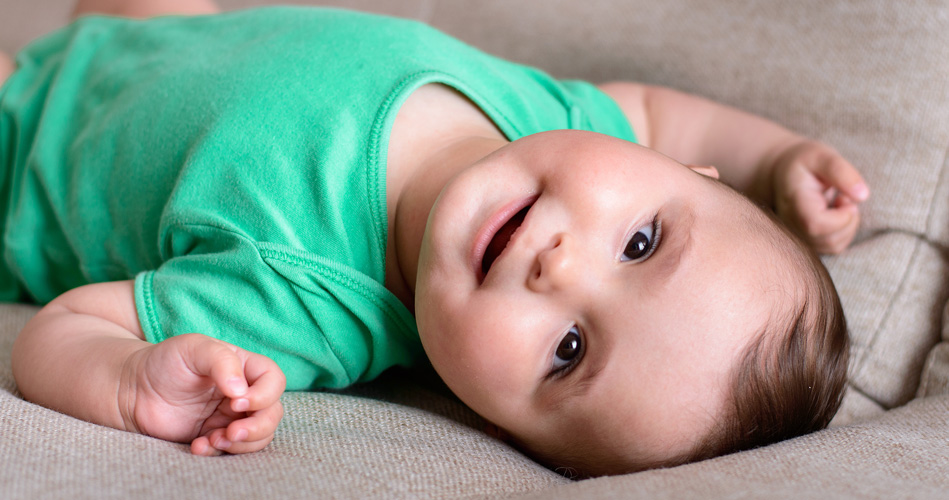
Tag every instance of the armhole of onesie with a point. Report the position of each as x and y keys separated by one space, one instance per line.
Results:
x=145 y=307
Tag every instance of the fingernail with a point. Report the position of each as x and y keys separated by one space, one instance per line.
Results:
x=222 y=444
x=861 y=191
x=240 y=405
x=237 y=386
x=240 y=435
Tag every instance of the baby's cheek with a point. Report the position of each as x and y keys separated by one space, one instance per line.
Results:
x=439 y=328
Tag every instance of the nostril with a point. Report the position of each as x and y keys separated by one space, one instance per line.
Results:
x=546 y=258
x=554 y=244
x=536 y=270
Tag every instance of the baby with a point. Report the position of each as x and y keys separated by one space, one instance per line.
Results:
x=216 y=208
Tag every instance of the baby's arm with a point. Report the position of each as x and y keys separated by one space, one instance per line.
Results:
x=145 y=8
x=84 y=354
x=809 y=185
x=6 y=67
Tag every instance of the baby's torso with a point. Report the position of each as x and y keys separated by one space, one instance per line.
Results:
x=261 y=129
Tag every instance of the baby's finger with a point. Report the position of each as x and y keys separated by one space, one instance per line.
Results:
x=829 y=221
x=843 y=238
x=257 y=426
x=201 y=446
x=837 y=172
x=267 y=383
x=218 y=439
x=833 y=245
x=841 y=200
x=249 y=446
x=218 y=442
x=220 y=361
x=837 y=241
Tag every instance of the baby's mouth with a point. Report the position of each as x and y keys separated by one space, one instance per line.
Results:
x=501 y=238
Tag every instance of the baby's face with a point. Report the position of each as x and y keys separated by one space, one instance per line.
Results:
x=615 y=312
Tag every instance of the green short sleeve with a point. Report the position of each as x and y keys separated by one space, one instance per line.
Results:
x=598 y=111
x=324 y=324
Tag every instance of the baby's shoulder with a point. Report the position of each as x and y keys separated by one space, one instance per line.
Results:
x=434 y=109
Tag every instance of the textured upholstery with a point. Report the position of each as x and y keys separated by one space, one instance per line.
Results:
x=871 y=78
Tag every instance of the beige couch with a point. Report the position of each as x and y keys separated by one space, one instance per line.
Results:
x=870 y=77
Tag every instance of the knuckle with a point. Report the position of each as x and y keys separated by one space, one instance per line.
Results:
x=812 y=226
x=838 y=244
x=278 y=413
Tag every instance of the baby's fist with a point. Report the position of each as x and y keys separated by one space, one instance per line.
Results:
x=816 y=193
x=253 y=384
x=220 y=398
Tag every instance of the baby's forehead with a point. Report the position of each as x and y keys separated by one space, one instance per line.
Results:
x=778 y=257
x=758 y=221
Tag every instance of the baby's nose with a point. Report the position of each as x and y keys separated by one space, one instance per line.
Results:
x=557 y=266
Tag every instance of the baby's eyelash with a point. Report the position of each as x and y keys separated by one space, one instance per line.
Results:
x=634 y=242
x=565 y=370
x=656 y=236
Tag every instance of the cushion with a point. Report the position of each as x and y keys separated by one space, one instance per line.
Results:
x=867 y=77
x=899 y=455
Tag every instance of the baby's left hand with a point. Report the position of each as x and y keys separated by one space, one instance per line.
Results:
x=816 y=192
x=193 y=388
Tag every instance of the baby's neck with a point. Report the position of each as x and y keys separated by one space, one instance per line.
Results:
x=437 y=133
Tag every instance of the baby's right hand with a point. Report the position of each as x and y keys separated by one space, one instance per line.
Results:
x=193 y=388
x=817 y=193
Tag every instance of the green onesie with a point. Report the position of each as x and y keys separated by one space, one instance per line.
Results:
x=234 y=166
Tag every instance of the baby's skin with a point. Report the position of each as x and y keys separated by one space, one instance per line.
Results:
x=605 y=316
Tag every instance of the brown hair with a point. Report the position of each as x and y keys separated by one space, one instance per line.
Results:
x=787 y=383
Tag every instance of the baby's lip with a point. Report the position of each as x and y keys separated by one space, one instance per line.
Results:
x=490 y=228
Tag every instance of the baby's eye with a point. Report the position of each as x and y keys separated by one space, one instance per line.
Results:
x=643 y=243
x=568 y=352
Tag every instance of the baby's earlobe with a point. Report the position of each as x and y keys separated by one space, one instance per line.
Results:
x=706 y=170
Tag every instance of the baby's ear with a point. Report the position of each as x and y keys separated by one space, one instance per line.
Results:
x=496 y=432
x=706 y=170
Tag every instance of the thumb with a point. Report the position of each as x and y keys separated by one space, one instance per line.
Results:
x=838 y=173
x=220 y=361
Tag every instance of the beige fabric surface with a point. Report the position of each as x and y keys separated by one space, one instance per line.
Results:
x=871 y=78
x=935 y=378
x=893 y=289
x=891 y=457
